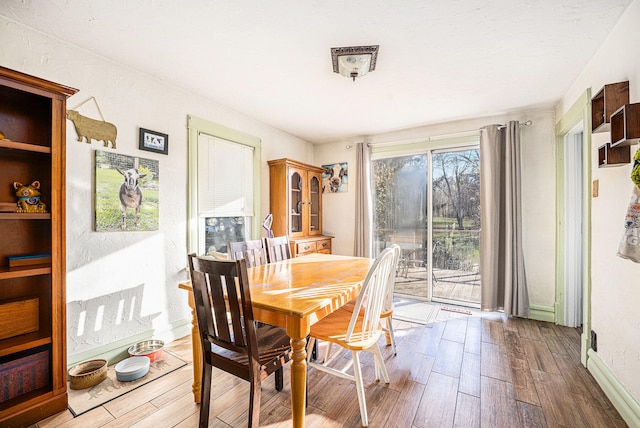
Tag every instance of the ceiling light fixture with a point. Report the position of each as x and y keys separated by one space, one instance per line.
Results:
x=354 y=61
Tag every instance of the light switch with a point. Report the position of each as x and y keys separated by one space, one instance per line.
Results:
x=595 y=188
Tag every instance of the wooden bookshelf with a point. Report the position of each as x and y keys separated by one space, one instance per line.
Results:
x=32 y=117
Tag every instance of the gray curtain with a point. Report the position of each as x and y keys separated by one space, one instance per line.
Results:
x=504 y=285
x=364 y=221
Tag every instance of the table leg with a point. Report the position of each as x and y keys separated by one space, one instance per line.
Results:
x=196 y=348
x=298 y=381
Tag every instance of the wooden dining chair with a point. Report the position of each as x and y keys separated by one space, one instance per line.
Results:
x=230 y=340
x=360 y=329
x=387 y=312
x=255 y=254
x=278 y=248
x=252 y=251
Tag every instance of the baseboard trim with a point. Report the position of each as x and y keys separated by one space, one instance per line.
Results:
x=626 y=405
x=542 y=313
x=117 y=351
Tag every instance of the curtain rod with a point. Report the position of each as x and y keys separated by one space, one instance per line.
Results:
x=437 y=137
x=527 y=123
x=425 y=139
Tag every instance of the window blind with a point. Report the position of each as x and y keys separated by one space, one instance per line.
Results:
x=225 y=178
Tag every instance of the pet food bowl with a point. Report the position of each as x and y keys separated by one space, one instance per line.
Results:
x=149 y=348
x=87 y=374
x=132 y=368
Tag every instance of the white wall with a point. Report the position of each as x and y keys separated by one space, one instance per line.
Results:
x=615 y=281
x=538 y=188
x=131 y=269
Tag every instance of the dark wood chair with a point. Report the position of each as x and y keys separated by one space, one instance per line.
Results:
x=278 y=248
x=253 y=252
x=230 y=339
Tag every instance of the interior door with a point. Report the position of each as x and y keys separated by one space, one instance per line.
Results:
x=573 y=225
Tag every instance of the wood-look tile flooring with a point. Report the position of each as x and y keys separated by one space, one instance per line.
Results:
x=479 y=370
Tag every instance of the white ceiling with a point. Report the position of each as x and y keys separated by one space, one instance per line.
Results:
x=438 y=61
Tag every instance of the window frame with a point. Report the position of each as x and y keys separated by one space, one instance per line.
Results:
x=196 y=126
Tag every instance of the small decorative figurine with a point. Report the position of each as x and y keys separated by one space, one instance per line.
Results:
x=29 y=198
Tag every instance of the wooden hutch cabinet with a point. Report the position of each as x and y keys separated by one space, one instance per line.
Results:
x=33 y=375
x=296 y=205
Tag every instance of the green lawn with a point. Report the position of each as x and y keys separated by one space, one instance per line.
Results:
x=108 y=215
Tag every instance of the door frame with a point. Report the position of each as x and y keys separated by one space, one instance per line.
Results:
x=580 y=111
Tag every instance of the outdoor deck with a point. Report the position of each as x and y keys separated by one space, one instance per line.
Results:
x=447 y=284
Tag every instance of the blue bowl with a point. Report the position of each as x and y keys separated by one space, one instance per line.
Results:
x=132 y=368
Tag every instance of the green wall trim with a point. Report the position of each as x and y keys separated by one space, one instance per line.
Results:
x=575 y=114
x=580 y=111
x=117 y=351
x=627 y=406
x=542 y=313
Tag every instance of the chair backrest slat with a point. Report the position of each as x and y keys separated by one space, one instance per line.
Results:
x=252 y=251
x=397 y=254
x=236 y=313
x=277 y=248
x=218 y=302
x=373 y=296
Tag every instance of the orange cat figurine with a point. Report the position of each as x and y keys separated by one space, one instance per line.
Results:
x=29 y=198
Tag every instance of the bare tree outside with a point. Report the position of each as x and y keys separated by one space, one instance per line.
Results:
x=456 y=187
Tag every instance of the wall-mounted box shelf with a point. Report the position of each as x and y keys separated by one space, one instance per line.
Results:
x=610 y=98
x=625 y=125
x=613 y=156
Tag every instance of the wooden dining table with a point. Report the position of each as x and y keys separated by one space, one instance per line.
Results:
x=294 y=294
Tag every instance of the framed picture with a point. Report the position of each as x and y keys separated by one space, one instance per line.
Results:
x=153 y=141
x=127 y=192
x=335 y=177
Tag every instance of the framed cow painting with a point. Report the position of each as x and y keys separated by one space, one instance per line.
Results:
x=126 y=193
x=153 y=141
x=335 y=177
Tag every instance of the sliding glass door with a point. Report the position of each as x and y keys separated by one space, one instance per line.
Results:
x=400 y=217
x=456 y=226
x=429 y=204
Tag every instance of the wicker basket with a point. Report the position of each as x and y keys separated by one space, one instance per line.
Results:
x=87 y=374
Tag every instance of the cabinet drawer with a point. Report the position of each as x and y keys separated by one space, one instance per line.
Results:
x=19 y=317
x=306 y=247
x=324 y=246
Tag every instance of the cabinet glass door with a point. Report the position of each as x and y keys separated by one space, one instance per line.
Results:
x=296 y=202
x=314 y=206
